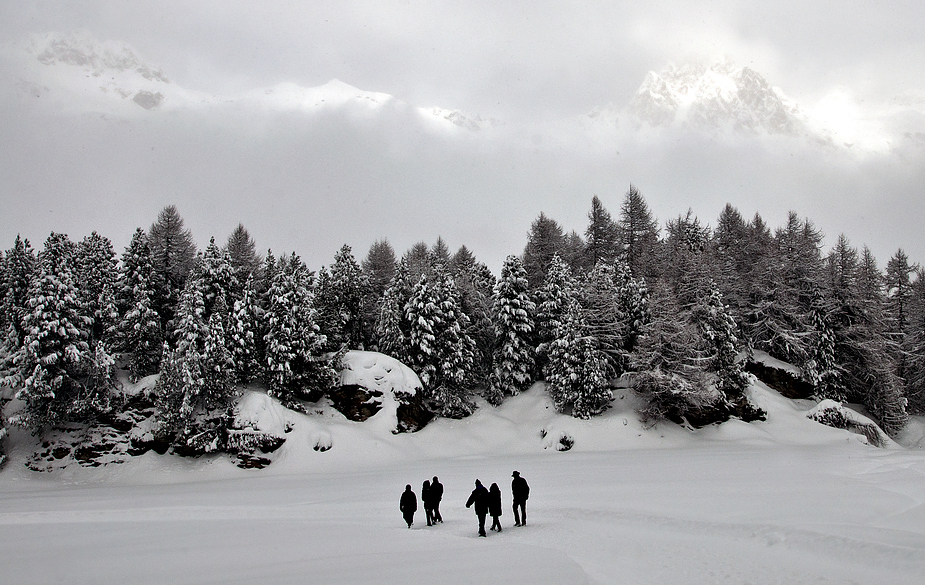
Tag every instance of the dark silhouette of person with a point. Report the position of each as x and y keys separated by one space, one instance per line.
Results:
x=408 y=505
x=494 y=506
x=427 y=499
x=480 y=498
x=520 y=491
x=436 y=494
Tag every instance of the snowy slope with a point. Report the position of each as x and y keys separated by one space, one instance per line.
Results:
x=784 y=501
x=717 y=97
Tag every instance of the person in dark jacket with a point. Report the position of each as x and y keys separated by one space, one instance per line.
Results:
x=520 y=491
x=408 y=505
x=494 y=506
x=436 y=494
x=427 y=499
x=479 y=497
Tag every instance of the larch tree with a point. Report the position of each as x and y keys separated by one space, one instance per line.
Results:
x=544 y=241
x=638 y=233
x=602 y=236
x=172 y=252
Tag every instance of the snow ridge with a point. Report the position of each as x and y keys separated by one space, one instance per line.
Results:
x=720 y=96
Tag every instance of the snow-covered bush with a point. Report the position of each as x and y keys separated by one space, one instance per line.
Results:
x=835 y=415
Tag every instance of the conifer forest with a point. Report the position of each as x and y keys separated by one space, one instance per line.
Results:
x=675 y=310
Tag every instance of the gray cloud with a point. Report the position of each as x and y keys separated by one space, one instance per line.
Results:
x=310 y=186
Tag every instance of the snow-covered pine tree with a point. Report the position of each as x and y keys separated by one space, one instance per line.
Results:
x=180 y=387
x=440 y=352
x=475 y=284
x=668 y=364
x=138 y=335
x=719 y=330
x=576 y=371
x=245 y=320
x=95 y=271
x=821 y=368
x=553 y=299
x=602 y=313
x=339 y=298
x=296 y=365
x=219 y=282
x=62 y=380
x=19 y=264
x=392 y=325
x=513 y=312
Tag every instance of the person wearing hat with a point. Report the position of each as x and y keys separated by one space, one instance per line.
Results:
x=520 y=491
x=479 y=497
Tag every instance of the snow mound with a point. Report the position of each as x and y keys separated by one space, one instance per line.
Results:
x=259 y=412
x=378 y=372
x=834 y=414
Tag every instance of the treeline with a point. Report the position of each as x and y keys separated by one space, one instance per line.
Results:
x=675 y=308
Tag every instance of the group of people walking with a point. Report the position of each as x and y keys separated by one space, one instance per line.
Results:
x=485 y=502
x=431 y=494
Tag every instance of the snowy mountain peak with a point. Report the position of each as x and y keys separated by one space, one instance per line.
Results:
x=94 y=57
x=718 y=96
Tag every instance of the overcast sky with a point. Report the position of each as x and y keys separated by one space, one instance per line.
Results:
x=527 y=63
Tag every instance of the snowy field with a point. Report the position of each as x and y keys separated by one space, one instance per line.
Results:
x=783 y=501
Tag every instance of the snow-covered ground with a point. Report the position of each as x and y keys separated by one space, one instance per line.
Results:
x=783 y=501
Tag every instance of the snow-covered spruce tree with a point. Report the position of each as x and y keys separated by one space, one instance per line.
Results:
x=138 y=335
x=476 y=284
x=297 y=368
x=63 y=378
x=19 y=264
x=553 y=299
x=219 y=283
x=513 y=312
x=95 y=270
x=685 y=363
x=339 y=298
x=576 y=371
x=196 y=387
x=245 y=329
x=392 y=325
x=633 y=294
x=821 y=368
x=720 y=333
x=439 y=350
x=778 y=314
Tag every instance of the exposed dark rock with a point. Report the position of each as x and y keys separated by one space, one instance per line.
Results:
x=356 y=402
x=785 y=382
x=411 y=413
